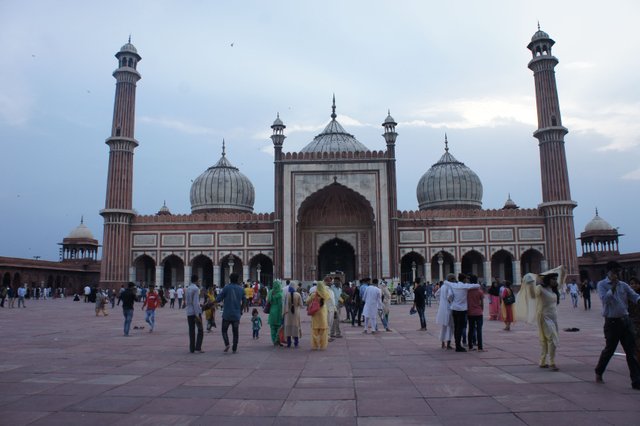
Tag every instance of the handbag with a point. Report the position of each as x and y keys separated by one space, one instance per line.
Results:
x=314 y=306
x=509 y=299
x=267 y=308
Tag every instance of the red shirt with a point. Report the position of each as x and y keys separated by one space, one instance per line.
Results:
x=475 y=298
x=152 y=301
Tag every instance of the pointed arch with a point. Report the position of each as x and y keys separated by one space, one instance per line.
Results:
x=411 y=267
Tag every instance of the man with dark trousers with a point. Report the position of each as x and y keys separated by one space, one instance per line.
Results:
x=618 y=328
x=194 y=316
x=419 y=302
x=233 y=297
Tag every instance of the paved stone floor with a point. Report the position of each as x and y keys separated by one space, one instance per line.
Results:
x=60 y=365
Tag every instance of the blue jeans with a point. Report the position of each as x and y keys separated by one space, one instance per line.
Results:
x=128 y=317
x=423 y=319
x=151 y=318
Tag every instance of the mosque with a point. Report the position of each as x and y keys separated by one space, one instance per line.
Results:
x=335 y=208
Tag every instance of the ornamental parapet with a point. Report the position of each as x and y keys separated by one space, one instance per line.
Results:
x=342 y=155
x=469 y=214
x=233 y=217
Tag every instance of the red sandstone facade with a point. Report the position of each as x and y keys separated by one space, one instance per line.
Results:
x=337 y=210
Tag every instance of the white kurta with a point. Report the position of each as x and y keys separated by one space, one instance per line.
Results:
x=372 y=302
x=444 y=317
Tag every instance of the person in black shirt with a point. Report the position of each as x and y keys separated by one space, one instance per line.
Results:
x=419 y=300
x=128 y=298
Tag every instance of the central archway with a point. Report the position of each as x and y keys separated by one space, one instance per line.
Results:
x=336 y=230
x=337 y=255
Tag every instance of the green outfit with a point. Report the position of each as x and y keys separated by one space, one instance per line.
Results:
x=275 y=313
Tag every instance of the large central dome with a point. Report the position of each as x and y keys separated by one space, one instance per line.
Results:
x=334 y=138
x=222 y=188
x=449 y=184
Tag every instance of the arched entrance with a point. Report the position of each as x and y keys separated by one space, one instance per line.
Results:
x=531 y=261
x=472 y=263
x=502 y=265
x=202 y=266
x=6 y=279
x=411 y=266
x=145 y=270
x=445 y=260
x=261 y=269
x=230 y=264
x=173 y=268
x=336 y=255
x=335 y=224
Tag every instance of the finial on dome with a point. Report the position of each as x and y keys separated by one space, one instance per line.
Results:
x=129 y=38
x=596 y=211
x=446 y=143
x=82 y=220
x=223 y=151
x=333 y=108
x=538 y=25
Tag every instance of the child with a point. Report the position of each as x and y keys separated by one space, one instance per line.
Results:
x=256 y=323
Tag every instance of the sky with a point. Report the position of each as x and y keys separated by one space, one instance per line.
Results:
x=224 y=70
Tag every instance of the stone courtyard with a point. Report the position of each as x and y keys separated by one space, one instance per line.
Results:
x=61 y=365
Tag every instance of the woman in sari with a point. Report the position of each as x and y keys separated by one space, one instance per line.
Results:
x=319 y=320
x=275 y=313
x=494 y=301
x=292 y=307
x=507 y=308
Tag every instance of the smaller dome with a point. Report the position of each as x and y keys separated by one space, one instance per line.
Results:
x=598 y=224
x=510 y=204
x=164 y=210
x=277 y=122
x=389 y=119
x=539 y=35
x=81 y=232
x=128 y=47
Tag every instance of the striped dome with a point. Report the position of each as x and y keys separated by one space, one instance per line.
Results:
x=222 y=188
x=449 y=184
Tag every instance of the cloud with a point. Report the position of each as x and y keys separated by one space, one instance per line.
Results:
x=475 y=113
x=177 y=125
x=617 y=122
x=634 y=175
x=579 y=65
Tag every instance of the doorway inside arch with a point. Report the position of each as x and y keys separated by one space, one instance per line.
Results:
x=337 y=255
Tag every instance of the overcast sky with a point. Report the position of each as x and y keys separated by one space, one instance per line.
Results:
x=213 y=70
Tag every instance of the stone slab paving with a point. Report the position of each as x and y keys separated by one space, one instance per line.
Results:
x=61 y=365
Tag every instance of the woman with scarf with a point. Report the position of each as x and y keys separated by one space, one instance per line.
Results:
x=292 y=307
x=494 y=301
x=538 y=304
x=275 y=313
x=508 y=298
x=319 y=320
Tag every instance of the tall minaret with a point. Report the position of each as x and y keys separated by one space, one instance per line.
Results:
x=556 y=195
x=118 y=211
x=390 y=137
x=278 y=138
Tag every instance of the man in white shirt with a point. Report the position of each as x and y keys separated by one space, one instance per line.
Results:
x=180 y=294
x=459 y=306
x=87 y=292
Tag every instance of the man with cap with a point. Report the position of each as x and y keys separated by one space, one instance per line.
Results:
x=618 y=328
x=151 y=302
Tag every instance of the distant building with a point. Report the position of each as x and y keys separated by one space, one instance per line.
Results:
x=79 y=265
x=599 y=242
x=336 y=209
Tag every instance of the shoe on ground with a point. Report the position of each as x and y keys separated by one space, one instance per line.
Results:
x=599 y=378
x=461 y=350
x=226 y=348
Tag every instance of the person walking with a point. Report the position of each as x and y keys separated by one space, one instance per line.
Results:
x=616 y=295
x=275 y=313
x=372 y=303
x=128 y=298
x=101 y=302
x=292 y=308
x=386 y=305
x=232 y=295
x=22 y=293
x=151 y=302
x=585 y=288
x=319 y=323
x=194 y=315
x=419 y=303
x=573 y=292
x=508 y=299
x=334 y=328
x=494 y=301
x=172 y=297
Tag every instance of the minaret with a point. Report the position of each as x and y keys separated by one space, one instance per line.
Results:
x=278 y=138
x=557 y=205
x=118 y=211
x=390 y=136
